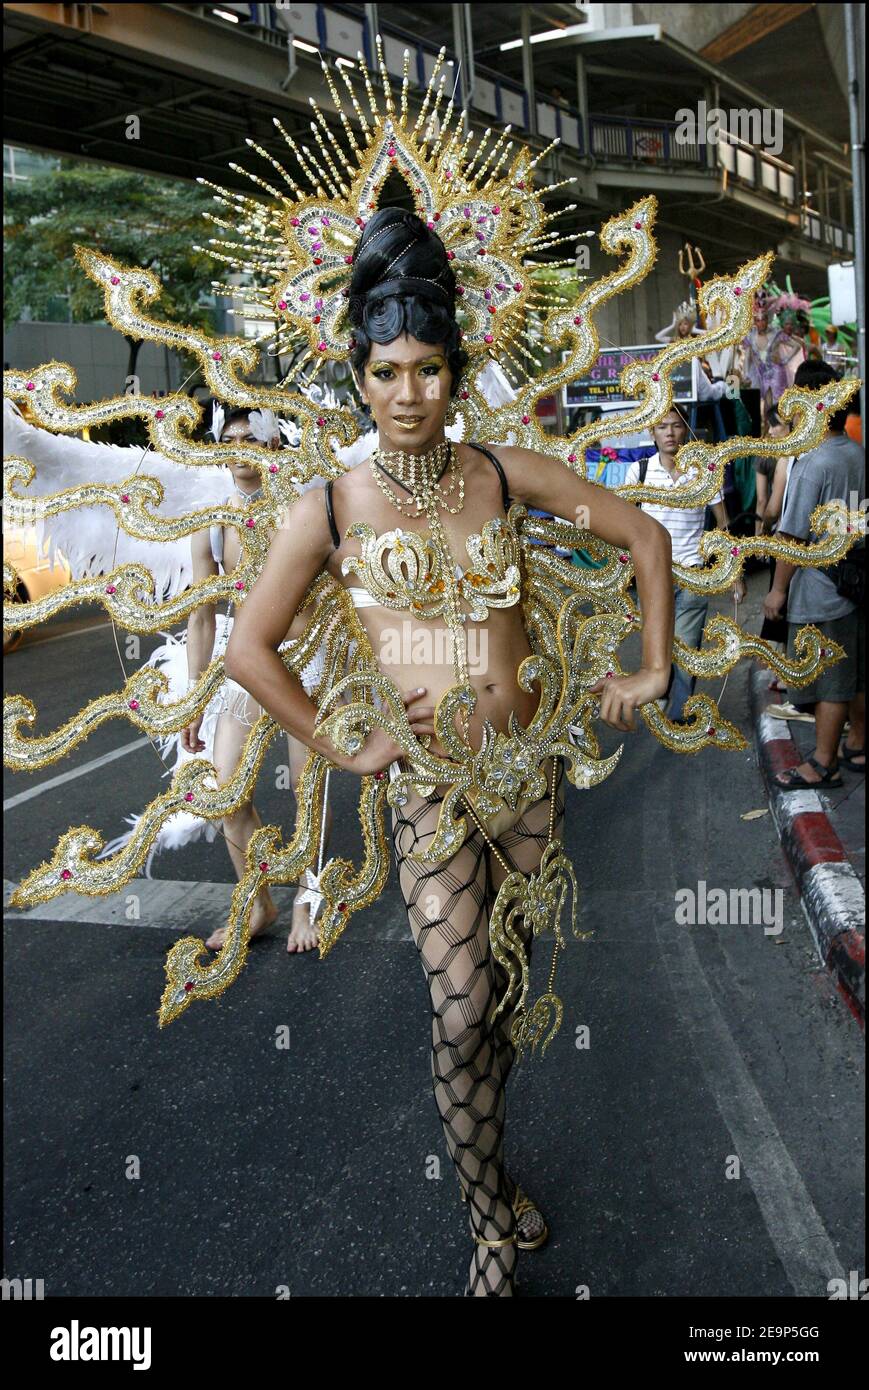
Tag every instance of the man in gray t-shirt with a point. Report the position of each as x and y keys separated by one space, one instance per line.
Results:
x=835 y=470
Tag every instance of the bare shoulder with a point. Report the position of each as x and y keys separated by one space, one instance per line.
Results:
x=306 y=523
x=524 y=469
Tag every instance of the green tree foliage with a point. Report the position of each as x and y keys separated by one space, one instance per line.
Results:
x=140 y=221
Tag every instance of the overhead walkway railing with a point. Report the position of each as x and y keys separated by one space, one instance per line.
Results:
x=332 y=31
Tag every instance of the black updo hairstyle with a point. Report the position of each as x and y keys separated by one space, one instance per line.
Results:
x=402 y=282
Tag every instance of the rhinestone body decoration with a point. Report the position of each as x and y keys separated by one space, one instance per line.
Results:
x=297 y=242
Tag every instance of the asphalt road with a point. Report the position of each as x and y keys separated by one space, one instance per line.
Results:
x=707 y=1141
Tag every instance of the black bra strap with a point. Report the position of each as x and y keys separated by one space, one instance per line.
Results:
x=505 y=493
x=330 y=513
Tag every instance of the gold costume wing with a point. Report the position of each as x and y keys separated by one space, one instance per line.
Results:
x=297 y=240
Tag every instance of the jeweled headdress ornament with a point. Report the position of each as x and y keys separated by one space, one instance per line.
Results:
x=298 y=240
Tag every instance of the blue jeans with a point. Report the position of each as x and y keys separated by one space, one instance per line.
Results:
x=691 y=610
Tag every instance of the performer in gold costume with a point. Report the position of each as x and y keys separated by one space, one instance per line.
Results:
x=476 y=749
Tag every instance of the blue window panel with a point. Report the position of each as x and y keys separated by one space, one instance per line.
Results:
x=343 y=35
x=486 y=96
x=393 y=56
x=546 y=120
x=512 y=107
x=569 y=130
x=301 y=20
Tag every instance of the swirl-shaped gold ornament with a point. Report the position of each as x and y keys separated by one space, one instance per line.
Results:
x=481 y=198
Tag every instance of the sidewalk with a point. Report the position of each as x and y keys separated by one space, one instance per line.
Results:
x=823 y=835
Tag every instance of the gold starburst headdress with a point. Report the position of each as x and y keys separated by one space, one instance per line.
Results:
x=479 y=196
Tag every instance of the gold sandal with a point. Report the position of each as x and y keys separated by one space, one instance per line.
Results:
x=521 y=1204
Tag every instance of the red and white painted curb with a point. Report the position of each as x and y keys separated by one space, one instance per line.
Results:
x=831 y=894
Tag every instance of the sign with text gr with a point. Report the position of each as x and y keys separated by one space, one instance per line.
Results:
x=601 y=385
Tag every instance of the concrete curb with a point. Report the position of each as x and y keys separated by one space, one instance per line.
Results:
x=830 y=892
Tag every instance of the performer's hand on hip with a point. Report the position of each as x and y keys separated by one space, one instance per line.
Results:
x=621 y=695
x=190 y=740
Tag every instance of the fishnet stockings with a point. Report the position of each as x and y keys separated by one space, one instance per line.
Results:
x=448 y=910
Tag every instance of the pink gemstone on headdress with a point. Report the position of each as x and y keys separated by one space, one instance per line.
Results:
x=250 y=523
x=320 y=421
x=526 y=419
x=342 y=907
x=304 y=297
x=482 y=250
x=571 y=458
x=479 y=236
x=359 y=222
x=312 y=231
x=656 y=376
x=467 y=211
x=188 y=985
x=460 y=289
x=521 y=184
x=496 y=209
x=348 y=260
x=316 y=246
x=638 y=226
x=325 y=221
x=159 y=414
x=282 y=304
x=116 y=279
x=321 y=347
x=734 y=550
x=273 y=468
x=479 y=220
x=110 y=589
x=125 y=497
x=737 y=290
x=31 y=386
x=518 y=285
x=379 y=776
x=239 y=584
x=711 y=732
x=264 y=868
x=66 y=873
x=448 y=173
x=134 y=704
x=218 y=356
x=710 y=468
x=294 y=221
x=436 y=216
x=500 y=285
x=578 y=319
x=609 y=675
x=465 y=395
x=391 y=151
x=820 y=405
x=430 y=225
x=488 y=338
x=188 y=796
x=623 y=559
x=451 y=255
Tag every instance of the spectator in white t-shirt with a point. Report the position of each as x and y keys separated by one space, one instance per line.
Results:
x=685 y=525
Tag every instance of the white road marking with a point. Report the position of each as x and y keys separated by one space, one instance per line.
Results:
x=802 y=1243
x=172 y=905
x=74 y=772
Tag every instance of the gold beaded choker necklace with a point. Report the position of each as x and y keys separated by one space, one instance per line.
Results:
x=420 y=475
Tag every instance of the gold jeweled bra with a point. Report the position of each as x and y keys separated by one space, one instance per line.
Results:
x=402 y=569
